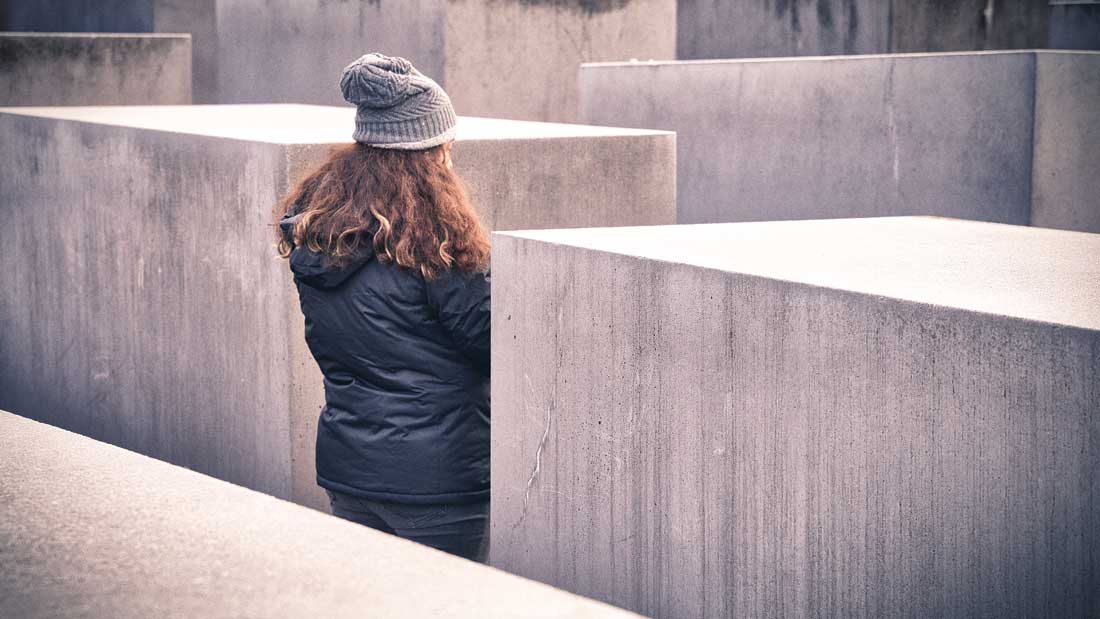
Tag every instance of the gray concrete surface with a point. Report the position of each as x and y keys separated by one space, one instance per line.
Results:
x=199 y=19
x=77 y=15
x=195 y=17
x=272 y=51
x=519 y=58
x=1065 y=185
x=498 y=58
x=966 y=25
x=1075 y=24
x=738 y=29
x=959 y=135
x=891 y=417
x=151 y=311
x=94 y=69
x=91 y=530
x=507 y=59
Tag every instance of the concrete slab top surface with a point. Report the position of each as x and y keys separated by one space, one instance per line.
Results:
x=298 y=124
x=836 y=58
x=1050 y=276
x=91 y=530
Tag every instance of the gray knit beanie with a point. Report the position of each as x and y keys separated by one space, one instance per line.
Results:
x=398 y=106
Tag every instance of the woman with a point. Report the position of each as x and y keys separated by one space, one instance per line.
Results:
x=390 y=263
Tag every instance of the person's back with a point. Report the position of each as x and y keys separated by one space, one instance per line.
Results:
x=390 y=261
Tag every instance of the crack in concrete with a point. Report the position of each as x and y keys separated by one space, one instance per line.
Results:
x=537 y=467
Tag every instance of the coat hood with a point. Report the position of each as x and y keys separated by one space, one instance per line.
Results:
x=313 y=269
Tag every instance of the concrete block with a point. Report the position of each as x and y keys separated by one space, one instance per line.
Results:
x=151 y=310
x=888 y=417
x=499 y=58
x=951 y=135
x=1075 y=25
x=313 y=40
x=91 y=530
x=737 y=29
x=195 y=17
x=94 y=69
x=506 y=59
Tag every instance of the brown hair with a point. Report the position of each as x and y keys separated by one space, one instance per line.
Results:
x=407 y=204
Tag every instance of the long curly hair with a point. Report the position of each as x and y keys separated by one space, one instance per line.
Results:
x=408 y=205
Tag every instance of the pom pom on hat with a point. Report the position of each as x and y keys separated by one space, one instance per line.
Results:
x=376 y=81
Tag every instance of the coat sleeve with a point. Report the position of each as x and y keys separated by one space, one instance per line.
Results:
x=461 y=301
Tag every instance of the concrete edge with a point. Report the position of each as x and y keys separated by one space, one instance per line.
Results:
x=96 y=35
x=837 y=58
x=36 y=112
x=16 y=111
x=588 y=606
x=528 y=236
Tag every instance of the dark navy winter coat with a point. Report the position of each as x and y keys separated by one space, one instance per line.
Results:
x=406 y=367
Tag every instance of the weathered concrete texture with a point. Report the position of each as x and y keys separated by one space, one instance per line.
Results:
x=1075 y=25
x=272 y=50
x=195 y=17
x=966 y=25
x=199 y=19
x=498 y=58
x=739 y=29
x=94 y=69
x=91 y=530
x=921 y=134
x=505 y=58
x=519 y=59
x=734 y=29
x=151 y=310
x=892 y=417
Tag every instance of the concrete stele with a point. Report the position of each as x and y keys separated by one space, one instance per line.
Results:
x=865 y=417
x=152 y=311
x=504 y=58
x=992 y=136
x=58 y=68
x=91 y=530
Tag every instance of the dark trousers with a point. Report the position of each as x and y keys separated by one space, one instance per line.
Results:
x=458 y=528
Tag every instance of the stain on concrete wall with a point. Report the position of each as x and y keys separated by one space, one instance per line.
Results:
x=583 y=6
x=758 y=28
x=729 y=29
x=78 y=69
x=963 y=25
